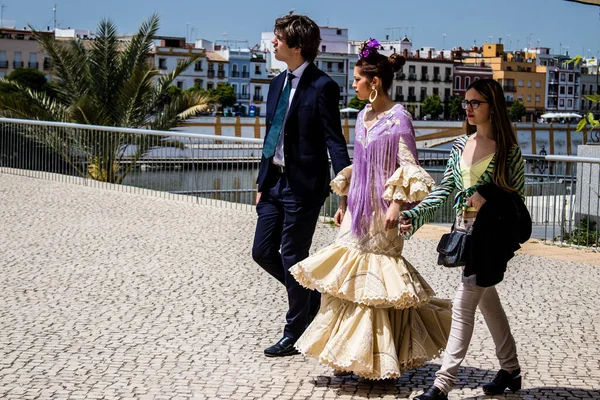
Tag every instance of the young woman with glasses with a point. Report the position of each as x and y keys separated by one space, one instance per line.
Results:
x=487 y=169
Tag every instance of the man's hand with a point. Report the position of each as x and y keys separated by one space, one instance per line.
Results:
x=258 y=197
x=391 y=216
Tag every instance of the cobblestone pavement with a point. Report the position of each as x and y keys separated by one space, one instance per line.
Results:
x=115 y=295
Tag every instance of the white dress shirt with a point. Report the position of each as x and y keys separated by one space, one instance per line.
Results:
x=279 y=158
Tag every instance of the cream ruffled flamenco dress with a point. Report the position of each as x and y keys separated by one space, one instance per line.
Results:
x=378 y=317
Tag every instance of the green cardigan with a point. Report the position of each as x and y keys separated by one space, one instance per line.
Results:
x=452 y=179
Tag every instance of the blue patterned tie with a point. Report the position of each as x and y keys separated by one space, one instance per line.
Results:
x=277 y=123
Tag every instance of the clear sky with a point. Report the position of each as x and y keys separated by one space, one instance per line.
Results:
x=437 y=23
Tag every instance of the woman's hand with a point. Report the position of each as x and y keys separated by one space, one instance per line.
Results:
x=477 y=201
x=341 y=211
x=405 y=224
x=391 y=216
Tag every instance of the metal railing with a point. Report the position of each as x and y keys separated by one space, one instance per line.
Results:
x=561 y=191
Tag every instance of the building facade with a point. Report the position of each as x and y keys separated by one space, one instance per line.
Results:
x=260 y=77
x=239 y=77
x=18 y=49
x=563 y=82
x=168 y=51
x=464 y=75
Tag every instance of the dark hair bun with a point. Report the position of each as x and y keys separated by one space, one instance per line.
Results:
x=397 y=61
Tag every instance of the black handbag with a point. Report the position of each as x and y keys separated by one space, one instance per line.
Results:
x=452 y=248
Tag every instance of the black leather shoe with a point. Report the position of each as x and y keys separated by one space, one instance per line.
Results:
x=503 y=380
x=433 y=393
x=285 y=347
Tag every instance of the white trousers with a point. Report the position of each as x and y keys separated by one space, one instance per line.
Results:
x=466 y=300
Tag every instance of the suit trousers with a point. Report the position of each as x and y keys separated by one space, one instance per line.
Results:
x=466 y=300
x=283 y=237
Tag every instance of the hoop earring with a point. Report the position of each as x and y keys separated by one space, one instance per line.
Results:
x=371 y=94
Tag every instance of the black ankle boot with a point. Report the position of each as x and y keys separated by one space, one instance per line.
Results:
x=503 y=380
x=433 y=393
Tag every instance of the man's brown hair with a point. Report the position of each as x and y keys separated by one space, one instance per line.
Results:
x=299 y=31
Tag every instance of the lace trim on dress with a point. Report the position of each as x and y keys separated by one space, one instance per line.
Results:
x=409 y=183
x=341 y=183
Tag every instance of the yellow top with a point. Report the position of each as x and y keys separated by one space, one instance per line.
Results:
x=471 y=174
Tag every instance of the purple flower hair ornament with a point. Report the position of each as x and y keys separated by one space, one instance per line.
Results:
x=369 y=47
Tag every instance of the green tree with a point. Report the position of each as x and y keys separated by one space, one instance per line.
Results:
x=224 y=95
x=355 y=102
x=517 y=111
x=104 y=82
x=455 y=109
x=432 y=106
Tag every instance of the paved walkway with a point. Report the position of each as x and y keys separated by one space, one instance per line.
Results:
x=119 y=296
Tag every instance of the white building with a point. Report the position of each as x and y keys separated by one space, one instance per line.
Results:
x=563 y=82
x=166 y=53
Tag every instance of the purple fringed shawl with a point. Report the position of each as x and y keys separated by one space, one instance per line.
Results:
x=375 y=155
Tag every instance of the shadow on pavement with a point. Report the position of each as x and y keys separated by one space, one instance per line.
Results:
x=421 y=378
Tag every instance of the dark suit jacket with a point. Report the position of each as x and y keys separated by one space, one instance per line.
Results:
x=312 y=127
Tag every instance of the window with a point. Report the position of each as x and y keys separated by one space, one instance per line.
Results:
x=436 y=70
x=198 y=66
x=257 y=91
x=571 y=77
x=570 y=103
x=520 y=83
x=340 y=67
x=457 y=83
x=561 y=102
x=234 y=68
x=423 y=93
x=211 y=66
x=17 y=56
x=467 y=81
x=257 y=70
x=446 y=94
x=424 y=70
x=537 y=97
x=476 y=78
x=32 y=57
x=448 y=71
x=411 y=69
x=398 y=90
x=529 y=98
x=180 y=84
x=162 y=63
x=411 y=91
x=323 y=48
x=538 y=84
x=562 y=76
x=520 y=97
x=583 y=89
x=436 y=91
x=562 y=90
x=570 y=90
x=339 y=32
x=528 y=83
x=210 y=86
x=235 y=88
x=221 y=68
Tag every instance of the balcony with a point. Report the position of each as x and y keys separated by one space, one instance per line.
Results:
x=423 y=97
x=245 y=74
x=412 y=98
x=448 y=78
x=162 y=66
x=3 y=64
x=510 y=88
x=424 y=77
x=221 y=74
x=33 y=64
x=211 y=73
x=412 y=77
x=47 y=64
x=258 y=72
x=509 y=102
x=400 y=76
x=235 y=74
x=243 y=96
x=257 y=98
x=17 y=64
x=436 y=77
x=399 y=97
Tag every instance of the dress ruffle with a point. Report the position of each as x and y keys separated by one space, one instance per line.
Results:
x=409 y=183
x=341 y=183
x=366 y=278
x=376 y=343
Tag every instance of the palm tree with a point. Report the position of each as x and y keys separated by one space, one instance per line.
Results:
x=107 y=82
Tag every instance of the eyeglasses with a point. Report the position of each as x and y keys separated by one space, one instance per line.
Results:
x=473 y=103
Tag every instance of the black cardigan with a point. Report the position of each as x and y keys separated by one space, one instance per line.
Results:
x=501 y=224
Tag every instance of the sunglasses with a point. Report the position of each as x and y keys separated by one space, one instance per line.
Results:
x=473 y=103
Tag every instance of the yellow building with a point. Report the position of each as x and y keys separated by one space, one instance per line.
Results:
x=515 y=71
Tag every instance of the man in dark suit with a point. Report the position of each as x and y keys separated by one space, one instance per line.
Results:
x=303 y=123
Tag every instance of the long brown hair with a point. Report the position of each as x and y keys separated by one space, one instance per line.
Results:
x=502 y=130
